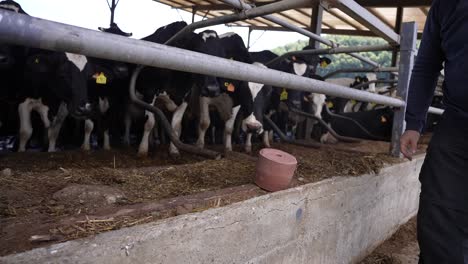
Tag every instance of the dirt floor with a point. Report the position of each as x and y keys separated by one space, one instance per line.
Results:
x=47 y=198
x=401 y=248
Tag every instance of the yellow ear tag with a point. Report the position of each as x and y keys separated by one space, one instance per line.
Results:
x=383 y=119
x=101 y=79
x=231 y=87
x=284 y=95
x=330 y=105
x=353 y=102
x=373 y=104
x=324 y=64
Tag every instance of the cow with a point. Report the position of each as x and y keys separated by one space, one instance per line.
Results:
x=175 y=90
x=378 y=124
x=54 y=85
x=247 y=98
x=283 y=99
x=107 y=90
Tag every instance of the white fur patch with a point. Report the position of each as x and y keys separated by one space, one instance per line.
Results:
x=77 y=59
x=252 y=121
x=255 y=89
x=227 y=35
x=207 y=35
x=371 y=77
x=299 y=68
x=319 y=101
x=103 y=105
x=10 y=7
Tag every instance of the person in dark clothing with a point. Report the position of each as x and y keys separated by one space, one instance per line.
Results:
x=443 y=208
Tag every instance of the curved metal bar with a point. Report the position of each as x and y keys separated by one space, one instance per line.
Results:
x=165 y=123
x=359 y=86
x=286 y=139
x=356 y=123
x=381 y=69
x=327 y=127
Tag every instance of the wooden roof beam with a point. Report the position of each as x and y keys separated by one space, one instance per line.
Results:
x=342 y=18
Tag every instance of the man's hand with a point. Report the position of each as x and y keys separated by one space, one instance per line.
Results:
x=409 y=143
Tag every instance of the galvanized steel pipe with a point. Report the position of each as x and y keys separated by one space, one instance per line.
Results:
x=245 y=14
x=332 y=51
x=241 y=5
x=29 y=31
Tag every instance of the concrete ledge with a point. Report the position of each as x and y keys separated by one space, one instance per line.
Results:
x=339 y=220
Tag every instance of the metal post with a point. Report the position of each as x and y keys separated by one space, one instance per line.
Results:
x=248 y=38
x=241 y=5
x=305 y=131
x=398 y=21
x=246 y=14
x=194 y=12
x=409 y=33
x=316 y=24
x=112 y=9
x=29 y=31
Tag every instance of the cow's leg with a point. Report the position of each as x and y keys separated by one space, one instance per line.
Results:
x=106 y=140
x=43 y=111
x=88 y=128
x=149 y=125
x=177 y=126
x=229 y=127
x=266 y=139
x=128 y=124
x=204 y=120
x=54 y=129
x=248 y=143
x=26 y=129
x=104 y=107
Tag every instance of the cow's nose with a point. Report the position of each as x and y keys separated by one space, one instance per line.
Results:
x=213 y=90
x=85 y=109
x=254 y=127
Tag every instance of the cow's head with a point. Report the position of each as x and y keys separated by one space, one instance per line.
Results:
x=11 y=6
x=208 y=42
x=72 y=74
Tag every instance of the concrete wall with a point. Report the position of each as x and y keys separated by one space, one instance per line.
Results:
x=338 y=220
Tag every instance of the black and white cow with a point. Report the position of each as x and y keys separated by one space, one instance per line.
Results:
x=169 y=88
x=248 y=98
x=54 y=85
x=283 y=99
x=50 y=83
x=378 y=124
x=107 y=91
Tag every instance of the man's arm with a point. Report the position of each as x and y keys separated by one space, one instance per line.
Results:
x=425 y=72
x=423 y=81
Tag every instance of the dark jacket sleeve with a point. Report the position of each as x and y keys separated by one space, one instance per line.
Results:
x=425 y=72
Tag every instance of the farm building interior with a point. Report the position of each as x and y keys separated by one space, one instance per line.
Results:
x=161 y=167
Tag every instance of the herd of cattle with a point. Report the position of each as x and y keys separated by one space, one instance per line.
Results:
x=75 y=96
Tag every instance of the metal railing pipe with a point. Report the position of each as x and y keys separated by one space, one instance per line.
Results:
x=29 y=31
x=380 y=69
x=332 y=51
x=245 y=14
x=242 y=5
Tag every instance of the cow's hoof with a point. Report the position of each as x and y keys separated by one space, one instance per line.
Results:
x=248 y=151
x=174 y=155
x=83 y=148
x=142 y=154
x=107 y=148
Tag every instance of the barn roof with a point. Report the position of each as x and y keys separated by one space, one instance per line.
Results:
x=334 y=21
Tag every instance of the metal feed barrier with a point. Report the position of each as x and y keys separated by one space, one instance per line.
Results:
x=29 y=31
